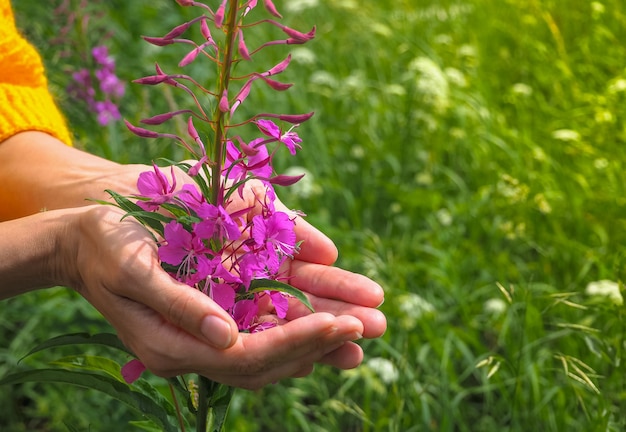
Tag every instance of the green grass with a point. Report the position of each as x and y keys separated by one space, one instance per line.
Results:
x=469 y=156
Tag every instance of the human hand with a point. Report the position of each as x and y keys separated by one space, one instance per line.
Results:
x=174 y=329
x=329 y=289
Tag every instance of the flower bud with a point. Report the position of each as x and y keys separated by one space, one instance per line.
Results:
x=141 y=132
x=285 y=180
x=243 y=49
x=219 y=15
x=191 y=130
x=271 y=8
x=204 y=29
x=178 y=30
x=223 y=105
x=151 y=80
x=157 y=40
x=279 y=67
x=295 y=118
x=158 y=119
x=241 y=96
x=190 y=57
x=277 y=85
x=251 y=5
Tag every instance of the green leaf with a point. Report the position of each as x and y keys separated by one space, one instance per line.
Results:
x=107 y=339
x=91 y=363
x=138 y=213
x=179 y=385
x=220 y=402
x=70 y=427
x=120 y=391
x=145 y=425
x=217 y=399
x=258 y=285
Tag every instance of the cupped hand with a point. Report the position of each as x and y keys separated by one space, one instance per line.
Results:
x=174 y=329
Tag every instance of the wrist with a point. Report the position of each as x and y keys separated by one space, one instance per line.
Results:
x=33 y=252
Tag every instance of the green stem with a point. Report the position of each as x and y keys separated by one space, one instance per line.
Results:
x=179 y=415
x=203 y=405
x=219 y=116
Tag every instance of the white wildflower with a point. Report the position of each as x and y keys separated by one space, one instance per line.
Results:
x=567 y=135
x=601 y=163
x=303 y=55
x=522 y=89
x=324 y=78
x=494 y=306
x=413 y=307
x=617 y=86
x=306 y=186
x=431 y=82
x=296 y=6
x=444 y=217
x=605 y=288
x=455 y=77
x=384 y=368
x=395 y=89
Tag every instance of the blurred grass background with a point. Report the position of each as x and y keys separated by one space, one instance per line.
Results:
x=468 y=155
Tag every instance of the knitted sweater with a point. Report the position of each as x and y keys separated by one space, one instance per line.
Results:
x=25 y=102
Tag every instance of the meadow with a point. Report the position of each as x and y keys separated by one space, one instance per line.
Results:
x=466 y=154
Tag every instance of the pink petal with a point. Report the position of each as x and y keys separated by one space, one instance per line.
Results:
x=132 y=370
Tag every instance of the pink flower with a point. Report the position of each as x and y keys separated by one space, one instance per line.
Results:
x=280 y=302
x=216 y=222
x=107 y=112
x=244 y=313
x=155 y=186
x=223 y=294
x=290 y=139
x=275 y=235
x=185 y=250
x=257 y=165
x=132 y=370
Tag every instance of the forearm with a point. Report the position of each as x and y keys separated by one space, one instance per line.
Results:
x=30 y=251
x=38 y=172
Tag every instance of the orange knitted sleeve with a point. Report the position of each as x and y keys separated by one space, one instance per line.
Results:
x=25 y=102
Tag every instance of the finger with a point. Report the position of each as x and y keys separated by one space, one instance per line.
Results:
x=374 y=321
x=335 y=283
x=305 y=371
x=282 y=351
x=314 y=333
x=188 y=309
x=138 y=276
x=316 y=246
x=348 y=356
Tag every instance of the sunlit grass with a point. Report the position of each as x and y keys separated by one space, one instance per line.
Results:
x=467 y=155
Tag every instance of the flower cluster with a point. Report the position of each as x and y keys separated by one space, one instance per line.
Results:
x=222 y=234
x=100 y=88
x=219 y=251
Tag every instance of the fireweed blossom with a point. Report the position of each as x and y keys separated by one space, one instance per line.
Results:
x=214 y=235
x=99 y=87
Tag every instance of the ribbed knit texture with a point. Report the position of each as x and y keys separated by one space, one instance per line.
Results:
x=25 y=102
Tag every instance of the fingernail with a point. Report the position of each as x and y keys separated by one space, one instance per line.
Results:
x=216 y=331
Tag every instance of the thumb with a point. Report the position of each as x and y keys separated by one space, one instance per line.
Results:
x=192 y=311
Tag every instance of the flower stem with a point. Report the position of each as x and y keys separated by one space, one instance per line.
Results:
x=179 y=415
x=219 y=116
x=203 y=405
